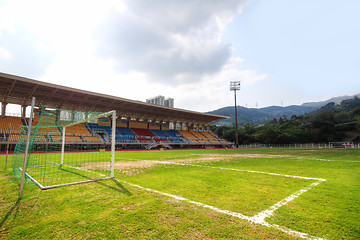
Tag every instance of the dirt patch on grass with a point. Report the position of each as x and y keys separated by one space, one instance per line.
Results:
x=6 y=176
x=198 y=160
x=130 y=168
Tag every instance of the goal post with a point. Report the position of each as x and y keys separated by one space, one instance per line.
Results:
x=67 y=147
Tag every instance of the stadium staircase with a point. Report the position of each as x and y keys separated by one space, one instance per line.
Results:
x=158 y=145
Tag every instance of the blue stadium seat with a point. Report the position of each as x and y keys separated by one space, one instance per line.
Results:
x=125 y=135
x=173 y=135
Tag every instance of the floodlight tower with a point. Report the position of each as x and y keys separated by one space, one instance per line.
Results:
x=234 y=86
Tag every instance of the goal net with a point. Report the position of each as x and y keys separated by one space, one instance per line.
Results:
x=64 y=148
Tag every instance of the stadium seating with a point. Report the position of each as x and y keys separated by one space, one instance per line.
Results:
x=189 y=136
x=201 y=137
x=92 y=139
x=54 y=131
x=69 y=139
x=15 y=123
x=210 y=137
x=122 y=134
x=14 y=137
x=40 y=138
x=93 y=133
x=174 y=135
x=78 y=130
x=160 y=135
x=104 y=131
x=144 y=135
x=125 y=135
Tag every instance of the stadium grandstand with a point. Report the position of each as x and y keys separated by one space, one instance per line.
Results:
x=139 y=125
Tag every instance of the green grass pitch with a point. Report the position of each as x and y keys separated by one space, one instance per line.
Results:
x=193 y=194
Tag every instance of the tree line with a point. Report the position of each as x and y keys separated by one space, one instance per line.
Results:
x=331 y=123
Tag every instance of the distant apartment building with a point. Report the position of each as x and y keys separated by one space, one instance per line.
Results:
x=169 y=102
x=161 y=101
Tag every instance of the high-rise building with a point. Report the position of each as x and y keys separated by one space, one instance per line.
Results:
x=169 y=102
x=161 y=101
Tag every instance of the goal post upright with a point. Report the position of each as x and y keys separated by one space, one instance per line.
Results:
x=26 y=148
x=113 y=144
x=63 y=145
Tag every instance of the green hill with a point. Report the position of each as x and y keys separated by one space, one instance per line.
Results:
x=262 y=115
x=330 y=123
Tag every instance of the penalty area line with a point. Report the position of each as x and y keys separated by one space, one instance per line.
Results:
x=259 y=218
x=270 y=212
x=230 y=213
x=241 y=170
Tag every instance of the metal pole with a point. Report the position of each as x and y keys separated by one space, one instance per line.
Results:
x=236 y=124
x=7 y=146
x=113 y=144
x=26 y=148
x=63 y=145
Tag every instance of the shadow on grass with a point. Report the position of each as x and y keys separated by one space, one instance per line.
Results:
x=119 y=188
x=8 y=214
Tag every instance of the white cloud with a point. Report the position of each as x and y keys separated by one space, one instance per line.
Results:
x=22 y=53
x=131 y=49
x=4 y=54
x=213 y=91
x=173 y=42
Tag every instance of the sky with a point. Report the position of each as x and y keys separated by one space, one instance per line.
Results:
x=283 y=52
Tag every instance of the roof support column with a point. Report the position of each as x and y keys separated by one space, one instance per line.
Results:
x=23 y=111
x=3 y=109
x=72 y=115
x=57 y=116
x=128 y=119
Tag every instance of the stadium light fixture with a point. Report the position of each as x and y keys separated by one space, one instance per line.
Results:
x=234 y=86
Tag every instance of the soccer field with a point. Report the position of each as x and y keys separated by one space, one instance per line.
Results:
x=196 y=194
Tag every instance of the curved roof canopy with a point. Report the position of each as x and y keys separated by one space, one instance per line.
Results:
x=20 y=90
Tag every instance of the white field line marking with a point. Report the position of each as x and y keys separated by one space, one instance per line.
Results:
x=324 y=160
x=267 y=213
x=78 y=168
x=227 y=212
x=270 y=156
x=240 y=170
x=131 y=159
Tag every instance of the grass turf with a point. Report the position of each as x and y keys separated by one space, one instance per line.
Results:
x=112 y=209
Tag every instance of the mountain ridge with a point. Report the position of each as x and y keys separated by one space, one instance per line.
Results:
x=262 y=115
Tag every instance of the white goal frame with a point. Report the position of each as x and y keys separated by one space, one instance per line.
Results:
x=112 y=160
